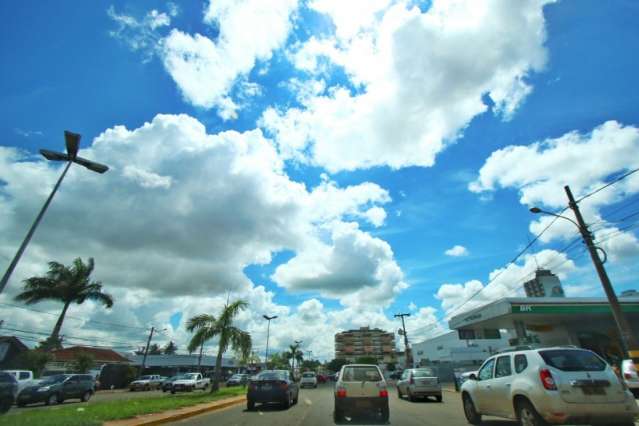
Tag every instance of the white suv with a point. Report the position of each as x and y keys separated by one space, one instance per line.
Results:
x=630 y=376
x=361 y=388
x=558 y=385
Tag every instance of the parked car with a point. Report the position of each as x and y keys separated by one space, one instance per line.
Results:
x=419 y=383
x=23 y=377
x=463 y=377
x=630 y=376
x=168 y=382
x=558 y=385
x=148 y=382
x=189 y=382
x=237 y=380
x=56 y=389
x=272 y=386
x=360 y=388
x=309 y=379
x=8 y=391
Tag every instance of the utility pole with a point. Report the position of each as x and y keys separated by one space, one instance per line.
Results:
x=407 y=351
x=629 y=343
x=146 y=350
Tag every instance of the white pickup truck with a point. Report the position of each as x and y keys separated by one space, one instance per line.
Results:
x=24 y=377
x=189 y=382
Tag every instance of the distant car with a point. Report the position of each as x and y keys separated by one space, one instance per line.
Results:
x=630 y=376
x=309 y=379
x=322 y=378
x=395 y=375
x=148 y=382
x=8 y=391
x=558 y=385
x=237 y=380
x=23 y=377
x=166 y=383
x=463 y=377
x=272 y=386
x=361 y=388
x=190 y=382
x=419 y=383
x=56 y=389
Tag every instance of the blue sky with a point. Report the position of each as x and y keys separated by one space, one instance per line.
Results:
x=419 y=119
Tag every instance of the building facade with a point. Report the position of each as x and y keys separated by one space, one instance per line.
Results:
x=545 y=284
x=365 y=342
x=449 y=348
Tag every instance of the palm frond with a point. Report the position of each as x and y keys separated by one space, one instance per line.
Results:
x=230 y=311
x=241 y=341
x=200 y=321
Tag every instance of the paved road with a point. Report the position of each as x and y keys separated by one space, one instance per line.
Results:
x=315 y=408
x=98 y=397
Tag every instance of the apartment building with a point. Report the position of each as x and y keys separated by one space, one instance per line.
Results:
x=365 y=342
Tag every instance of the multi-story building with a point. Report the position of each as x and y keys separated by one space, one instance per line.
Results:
x=545 y=284
x=365 y=342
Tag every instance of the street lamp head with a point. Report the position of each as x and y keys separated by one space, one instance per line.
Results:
x=91 y=165
x=266 y=317
x=54 y=155
x=535 y=210
x=73 y=143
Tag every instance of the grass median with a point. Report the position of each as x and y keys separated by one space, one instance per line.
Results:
x=95 y=413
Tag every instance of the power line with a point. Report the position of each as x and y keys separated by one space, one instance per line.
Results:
x=620 y=178
x=74 y=318
x=43 y=333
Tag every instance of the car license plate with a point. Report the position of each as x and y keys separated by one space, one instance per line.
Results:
x=362 y=404
x=265 y=387
x=589 y=390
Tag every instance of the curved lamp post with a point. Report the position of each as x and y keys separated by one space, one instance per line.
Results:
x=72 y=141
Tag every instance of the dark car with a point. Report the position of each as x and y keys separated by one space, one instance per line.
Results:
x=58 y=388
x=272 y=386
x=8 y=390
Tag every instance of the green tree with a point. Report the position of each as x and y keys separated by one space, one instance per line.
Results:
x=336 y=364
x=34 y=360
x=277 y=361
x=83 y=362
x=207 y=326
x=155 y=349
x=366 y=360
x=170 y=348
x=311 y=364
x=67 y=285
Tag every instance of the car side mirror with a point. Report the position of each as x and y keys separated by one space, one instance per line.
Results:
x=473 y=377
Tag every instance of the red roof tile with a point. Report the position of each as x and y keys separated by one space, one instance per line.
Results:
x=99 y=354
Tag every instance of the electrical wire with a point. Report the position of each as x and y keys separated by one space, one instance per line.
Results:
x=614 y=181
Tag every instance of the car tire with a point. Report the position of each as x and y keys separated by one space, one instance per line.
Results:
x=173 y=391
x=399 y=393
x=5 y=405
x=438 y=398
x=86 y=396
x=385 y=415
x=528 y=416
x=21 y=404
x=146 y=387
x=338 y=416
x=472 y=416
x=52 y=399
x=411 y=398
x=250 y=404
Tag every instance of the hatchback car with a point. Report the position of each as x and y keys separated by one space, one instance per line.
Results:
x=237 y=380
x=308 y=380
x=543 y=386
x=361 y=389
x=56 y=389
x=419 y=383
x=272 y=386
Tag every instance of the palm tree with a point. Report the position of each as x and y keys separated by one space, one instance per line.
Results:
x=67 y=285
x=207 y=326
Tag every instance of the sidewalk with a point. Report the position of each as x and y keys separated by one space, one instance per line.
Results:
x=179 y=414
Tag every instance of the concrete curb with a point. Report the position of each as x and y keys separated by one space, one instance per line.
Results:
x=179 y=414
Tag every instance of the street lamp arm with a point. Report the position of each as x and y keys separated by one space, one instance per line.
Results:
x=538 y=210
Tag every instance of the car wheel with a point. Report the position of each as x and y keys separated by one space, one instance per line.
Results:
x=173 y=391
x=410 y=396
x=86 y=396
x=338 y=416
x=528 y=416
x=438 y=398
x=250 y=404
x=472 y=416
x=287 y=402
x=21 y=404
x=399 y=393
x=146 y=387
x=5 y=405
x=385 y=414
x=52 y=399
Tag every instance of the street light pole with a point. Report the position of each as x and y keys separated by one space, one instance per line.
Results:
x=629 y=343
x=72 y=141
x=268 y=332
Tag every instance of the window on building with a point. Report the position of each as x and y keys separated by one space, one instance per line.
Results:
x=520 y=363
x=503 y=369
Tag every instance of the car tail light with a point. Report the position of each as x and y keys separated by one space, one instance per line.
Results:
x=627 y=376
x=383 y=393
x=253 y=386
x=547 y=379
x=412 y=381
x=284 y=385
x=341 y=393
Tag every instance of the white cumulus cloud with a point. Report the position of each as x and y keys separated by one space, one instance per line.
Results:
x=457 y=251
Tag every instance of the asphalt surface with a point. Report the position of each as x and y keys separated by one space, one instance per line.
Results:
x=100 y=396
x=315 y=408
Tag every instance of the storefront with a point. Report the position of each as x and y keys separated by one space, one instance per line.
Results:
x=546 y=321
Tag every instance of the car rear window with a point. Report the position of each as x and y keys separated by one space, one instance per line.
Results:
x=271 y=375
x=361 y=374
x=308 y=375
x=424 y=372
x=573 y=360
